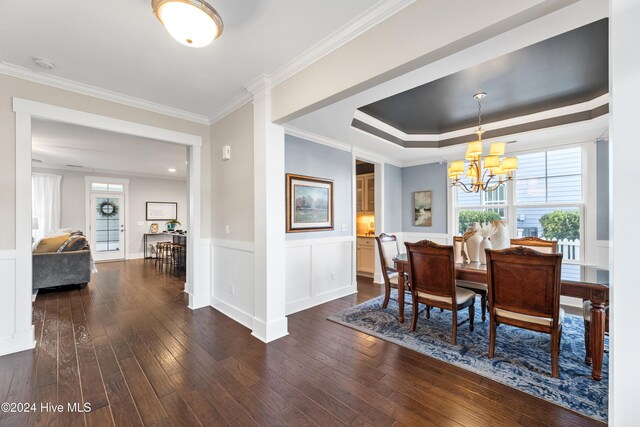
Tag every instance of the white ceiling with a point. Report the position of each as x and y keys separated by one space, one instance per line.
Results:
x=59 y=145
x=120 y=46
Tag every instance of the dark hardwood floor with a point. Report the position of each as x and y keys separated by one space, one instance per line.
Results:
x=129 y=346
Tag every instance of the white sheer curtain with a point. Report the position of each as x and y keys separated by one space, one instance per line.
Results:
x=45 y=202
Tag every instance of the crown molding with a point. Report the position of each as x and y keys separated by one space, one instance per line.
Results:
x=357 y=26
x=96 y=92
x=239 y=101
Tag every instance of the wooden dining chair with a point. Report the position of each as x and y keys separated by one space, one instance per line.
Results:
x=524 y=291
x=388 y=249
x=433 y=283
x=537 y=244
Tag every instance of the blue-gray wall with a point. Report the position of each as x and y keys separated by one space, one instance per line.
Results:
x=309 y=158
x=392 y=199
x=425 y=177
x=602 y=190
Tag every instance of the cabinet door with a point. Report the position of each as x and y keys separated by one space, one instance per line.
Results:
x=358 y=259
x=370 y=187
x=360 y=194
x=367 y=260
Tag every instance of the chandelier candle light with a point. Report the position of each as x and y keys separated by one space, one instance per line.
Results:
x=488 y=173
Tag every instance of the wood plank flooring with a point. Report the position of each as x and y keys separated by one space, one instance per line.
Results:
x=129 y=346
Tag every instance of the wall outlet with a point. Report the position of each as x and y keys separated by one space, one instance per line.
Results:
x=232 y=289
x=344 y=227
x=333 y=275
x=227 y=229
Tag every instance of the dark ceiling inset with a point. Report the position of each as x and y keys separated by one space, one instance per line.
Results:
x=564 y=70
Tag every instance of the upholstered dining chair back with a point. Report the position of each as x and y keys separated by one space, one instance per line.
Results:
x=524 y=281
x=537 y=244
x=388 y=249
x=432 y=269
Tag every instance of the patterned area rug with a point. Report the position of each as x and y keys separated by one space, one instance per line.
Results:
x=522 y=358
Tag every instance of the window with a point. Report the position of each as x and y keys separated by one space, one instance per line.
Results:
x=546 y=200
x=113 y=188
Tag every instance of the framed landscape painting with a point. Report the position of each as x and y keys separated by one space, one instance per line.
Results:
x=422 y=208
x=309 y=203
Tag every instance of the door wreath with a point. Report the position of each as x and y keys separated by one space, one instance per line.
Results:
x=108 y=209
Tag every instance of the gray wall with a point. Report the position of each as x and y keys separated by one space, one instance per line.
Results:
x=141 y=190
x=312 y=159
x=602 y=190
x=392 y=199
x=425 y=177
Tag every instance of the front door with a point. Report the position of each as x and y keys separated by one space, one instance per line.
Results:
x=107 y=226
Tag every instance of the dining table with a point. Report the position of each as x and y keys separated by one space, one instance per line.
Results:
x=579 y=281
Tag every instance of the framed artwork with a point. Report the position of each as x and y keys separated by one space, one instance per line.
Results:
x=162 y=211
x=422 y=208
x=309 y=203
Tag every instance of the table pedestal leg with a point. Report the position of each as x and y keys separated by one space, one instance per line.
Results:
x=597 y=338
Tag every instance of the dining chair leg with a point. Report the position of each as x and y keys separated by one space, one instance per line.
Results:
x=587 y=343
x=472 y=315
x=428 y=312
x=414 y=314
x=454 y=326
x=555 y=341
x=492 y=336
x=483 y=305
x=387 y=293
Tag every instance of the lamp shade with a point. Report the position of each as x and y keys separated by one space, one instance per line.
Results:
x=474 y=148
x=497 y=149
x=193 y=23
x=491 y=162
x=34 y=223
x=510 y=164
x=457 y=166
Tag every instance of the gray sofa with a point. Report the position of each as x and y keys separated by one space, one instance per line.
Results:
x=61 y=268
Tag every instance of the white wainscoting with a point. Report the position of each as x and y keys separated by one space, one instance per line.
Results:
x=233 y=279
x=11 y=340
x=412 y=237
x=317 y=271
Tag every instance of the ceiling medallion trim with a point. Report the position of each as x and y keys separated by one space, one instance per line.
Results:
x=368 y=124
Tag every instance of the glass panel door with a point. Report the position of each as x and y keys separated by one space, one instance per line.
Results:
x=107 y=226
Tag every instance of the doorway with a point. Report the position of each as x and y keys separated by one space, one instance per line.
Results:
x=106 y=226
x=197 y=281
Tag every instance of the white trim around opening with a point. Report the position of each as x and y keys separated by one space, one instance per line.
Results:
x=20 y=336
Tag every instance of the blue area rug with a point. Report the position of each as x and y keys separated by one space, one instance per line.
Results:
x=522 y=358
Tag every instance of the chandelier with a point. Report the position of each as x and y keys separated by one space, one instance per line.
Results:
x=488 y=173
x=193 y=23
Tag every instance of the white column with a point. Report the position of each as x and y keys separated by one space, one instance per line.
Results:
x=269 y=322
x=625 y=208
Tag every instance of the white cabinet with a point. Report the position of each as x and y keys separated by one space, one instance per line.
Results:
x=365 y=193
x=365 y=255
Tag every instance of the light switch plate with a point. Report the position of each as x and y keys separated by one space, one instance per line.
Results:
x=226 y=152
x=344 y=227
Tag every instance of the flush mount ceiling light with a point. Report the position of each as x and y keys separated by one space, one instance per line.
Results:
x=172 y=170
x=193 y=23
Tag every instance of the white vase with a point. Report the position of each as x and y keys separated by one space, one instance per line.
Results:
x=500 y=239
x=473 y=247
x=484 y=244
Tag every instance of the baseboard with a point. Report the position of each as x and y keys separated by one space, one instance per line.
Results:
x=271 y=331
x=135 y=256
x=232 y=312
x=18 y=342
x=296 y=306
x=34 y=294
